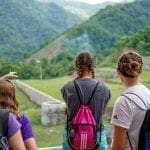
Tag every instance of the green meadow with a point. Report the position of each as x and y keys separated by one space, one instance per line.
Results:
x=51 y=136
x=53 y=86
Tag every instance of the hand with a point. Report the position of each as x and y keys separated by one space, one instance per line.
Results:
x=10 y=75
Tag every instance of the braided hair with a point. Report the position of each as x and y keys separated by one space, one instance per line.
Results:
x=85 y=62
x=130 y=64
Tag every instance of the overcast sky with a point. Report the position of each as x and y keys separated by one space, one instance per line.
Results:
x=97 y=1
x=92 y=1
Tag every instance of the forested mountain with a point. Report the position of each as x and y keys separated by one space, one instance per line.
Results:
x=101 y=32
x=25 y=25
x=139 y=42
x=62 y=63
x=80 y=8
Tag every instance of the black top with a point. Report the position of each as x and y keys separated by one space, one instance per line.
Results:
x=4 y=115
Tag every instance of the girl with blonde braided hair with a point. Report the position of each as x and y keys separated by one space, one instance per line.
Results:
x=86 y=81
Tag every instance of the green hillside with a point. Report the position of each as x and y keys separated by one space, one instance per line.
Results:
x=101 y=31
x=139 y=41
x=26 y=25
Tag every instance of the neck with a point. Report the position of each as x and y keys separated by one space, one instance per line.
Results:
x=87 y=74
x=131 y=81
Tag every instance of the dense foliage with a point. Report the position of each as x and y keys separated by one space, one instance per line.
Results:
x=139 y=41
x=101 y=31
x=61 y=64
x=25 y=25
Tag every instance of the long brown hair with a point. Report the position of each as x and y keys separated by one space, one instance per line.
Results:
x=130 y=64
x=8 y=97
x=84 y=62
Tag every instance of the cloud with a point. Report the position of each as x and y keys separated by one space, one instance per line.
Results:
x=97 y=1
x=93 y=1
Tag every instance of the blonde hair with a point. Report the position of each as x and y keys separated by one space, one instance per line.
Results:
x=84 y=62
x=130 y=64
x=8 y=97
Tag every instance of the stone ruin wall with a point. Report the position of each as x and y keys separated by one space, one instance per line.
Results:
x=146 y=63
x=52 y=110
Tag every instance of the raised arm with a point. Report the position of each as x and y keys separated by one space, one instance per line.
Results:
x=10 y=75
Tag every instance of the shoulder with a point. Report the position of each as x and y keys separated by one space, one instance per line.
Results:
x=12 y=119
x=13 y=125
x=124 y=106
x=102 y=85
x=68 y=85
x=23 y=119
x=26 y=127
x=122 y=113
x=140 y=95
x=103 y=88
x=121 y=102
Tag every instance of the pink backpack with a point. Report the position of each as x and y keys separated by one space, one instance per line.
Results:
x=82 y=133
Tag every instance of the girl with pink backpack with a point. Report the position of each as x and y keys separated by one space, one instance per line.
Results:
x=86 y=99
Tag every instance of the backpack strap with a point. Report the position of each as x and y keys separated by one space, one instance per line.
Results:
x=138 y=107
x=134 y=102
x=139 y=98
x=4 y=115
x=89 y=101
x=77 y=88
x=79 y=92
x=129 y=140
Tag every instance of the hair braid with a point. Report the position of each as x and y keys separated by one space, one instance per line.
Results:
x=84 y=61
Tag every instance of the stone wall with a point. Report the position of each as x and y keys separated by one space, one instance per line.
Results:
x=35 y=95
x=51 y=148
x=104 y=74
x=53 y=113
x=146 y=63
x=52 y=110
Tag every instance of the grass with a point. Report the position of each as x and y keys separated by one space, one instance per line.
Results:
x=45 y=136
x=116 y=90
x=145 y=77
x=51 y=87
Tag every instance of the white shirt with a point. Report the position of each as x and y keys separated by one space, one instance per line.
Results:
x=129 y=112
